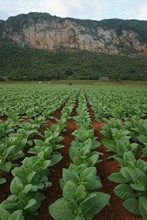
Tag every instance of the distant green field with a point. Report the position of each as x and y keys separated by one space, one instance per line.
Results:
x=81 y=82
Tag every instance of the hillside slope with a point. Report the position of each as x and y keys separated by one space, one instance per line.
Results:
x=43 y=31
x=18 y=63
x=38 y=46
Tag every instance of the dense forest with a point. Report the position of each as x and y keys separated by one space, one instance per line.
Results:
x=17 y=63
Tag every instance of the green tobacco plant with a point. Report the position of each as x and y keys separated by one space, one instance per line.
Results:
x=31 y=112
x=5 y=128
x=132 y=186
x=118 y=134
x=143 y=140
x=10 y=151
x=101 y=113
x=129 y=160
x=119 y=143
x=119 y=147
x=111 y=124
x=28 y=180
x=137 y=127
x=81 y=175
x=37 y=121
x=49 y=146
x=49 y=150
x=83 y=120
x=13 y=117
x=62 y=123
x=83 y=135
x=83 y=154
x=79 y=201
x=52 y=135
x=29 y=129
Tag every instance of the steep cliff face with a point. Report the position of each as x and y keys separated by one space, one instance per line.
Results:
x=52 y=33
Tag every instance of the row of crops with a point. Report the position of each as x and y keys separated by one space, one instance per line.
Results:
x=31 y=137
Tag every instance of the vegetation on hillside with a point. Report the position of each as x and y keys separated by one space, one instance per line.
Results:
x=18 y=63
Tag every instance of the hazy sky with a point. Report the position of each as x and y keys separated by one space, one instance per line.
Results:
x=84 y=9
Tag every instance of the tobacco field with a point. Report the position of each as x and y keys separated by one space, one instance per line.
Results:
x=73 y=152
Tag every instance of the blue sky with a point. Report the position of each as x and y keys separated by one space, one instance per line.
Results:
x=83 y=9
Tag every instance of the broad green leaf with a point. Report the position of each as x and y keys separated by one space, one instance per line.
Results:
x=142 y=138
x=38 y=142
x=144 y=151
x=143 y=207
x=80 y=193
x=6 y=167
x=93 y=184
x=106 y=133
x=2 y=180
x=30 y=142
x=18 y=155
x=46 y=164
x=55 y=159
x=85 y=150
x=16 y=186
x=129 y=174
x=28 y=188
x=12 y=203
x=90 y=179
x=132 y=205
x=69 y=175
x=69 y=190
x=110 y=144
x=58 y=146
x=138 y=186
x=79 y=218
x=128 y=156
x=30 y=203
x=124 y=191
x=118 y=159
x=93 y=204
x=31 y=176
x=59 y=211
x=10 y=151
x=145 y=181
x=117 y=178
x=4 y=214
x=88 y=173
x=94 y=159
x=17 y=215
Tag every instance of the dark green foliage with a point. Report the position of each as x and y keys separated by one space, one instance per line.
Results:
x=140 y=27
x=17 y=63
x=18 y=21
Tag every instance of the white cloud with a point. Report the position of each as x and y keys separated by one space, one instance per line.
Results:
x=93 y=9
x=142 y=12
x=84 y=9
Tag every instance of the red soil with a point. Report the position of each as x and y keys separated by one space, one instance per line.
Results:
x=113 y=212
x=4 y=118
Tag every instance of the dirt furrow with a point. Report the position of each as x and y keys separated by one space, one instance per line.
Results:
x=115 y=211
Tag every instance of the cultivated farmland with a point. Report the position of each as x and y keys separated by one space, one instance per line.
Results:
x=73 y=152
